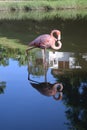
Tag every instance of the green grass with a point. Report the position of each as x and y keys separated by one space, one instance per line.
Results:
x=43 y=5
x=41 y=15
x=12 y=43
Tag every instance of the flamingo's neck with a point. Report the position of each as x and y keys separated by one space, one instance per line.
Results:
x=55 y=31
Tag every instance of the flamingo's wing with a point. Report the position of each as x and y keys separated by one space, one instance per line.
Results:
x=42 y=41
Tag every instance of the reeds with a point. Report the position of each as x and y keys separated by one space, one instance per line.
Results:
x=41 y=15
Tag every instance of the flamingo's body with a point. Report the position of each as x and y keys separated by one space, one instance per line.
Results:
x=47 y=41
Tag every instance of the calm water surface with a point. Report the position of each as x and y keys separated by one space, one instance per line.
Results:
x=22 y=107
x=25 y=82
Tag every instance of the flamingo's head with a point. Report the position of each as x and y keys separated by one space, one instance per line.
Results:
x=59 y=88
x=57 y=35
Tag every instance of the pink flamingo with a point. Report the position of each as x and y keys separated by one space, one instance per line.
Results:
x=47 y=41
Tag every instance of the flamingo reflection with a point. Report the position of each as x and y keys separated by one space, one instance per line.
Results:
x=45 y=88
x=49 y=89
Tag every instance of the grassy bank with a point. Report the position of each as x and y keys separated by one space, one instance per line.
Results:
x=43 y=5
x=41 y=15
x=12 y=43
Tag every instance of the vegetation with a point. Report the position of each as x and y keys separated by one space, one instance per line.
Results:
x=12 y=43
x=15 y=53
x=41 y=15
x=2 y=87
x=43 y=5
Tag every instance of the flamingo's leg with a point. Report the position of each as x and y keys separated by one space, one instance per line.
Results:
x=29 y=48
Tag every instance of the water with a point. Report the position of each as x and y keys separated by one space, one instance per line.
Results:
x=22 y=107
x=26 y=84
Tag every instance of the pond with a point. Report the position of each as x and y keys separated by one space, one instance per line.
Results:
x=30 y=94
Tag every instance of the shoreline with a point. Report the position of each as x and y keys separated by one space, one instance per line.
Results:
x=42 y=5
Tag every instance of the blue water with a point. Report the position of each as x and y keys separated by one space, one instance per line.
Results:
x=22 y=107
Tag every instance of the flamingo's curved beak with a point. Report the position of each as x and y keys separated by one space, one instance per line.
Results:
x=59 y=37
